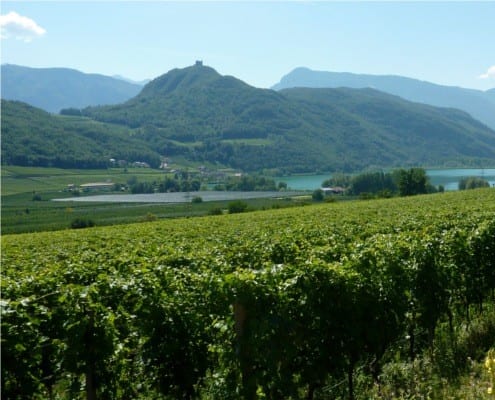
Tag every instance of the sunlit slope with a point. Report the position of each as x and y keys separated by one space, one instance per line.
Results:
x=198 y=113
x=480 y=104
x=343 y=222
x=282 y=301
x=33 y=137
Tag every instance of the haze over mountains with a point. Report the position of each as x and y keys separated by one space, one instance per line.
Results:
x=197 y=114
x=53 y=89
x=480 y=104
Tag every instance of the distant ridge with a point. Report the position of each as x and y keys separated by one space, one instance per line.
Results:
x=491 y=95
x=480 y=104
x=123 y=78
x=53 y=89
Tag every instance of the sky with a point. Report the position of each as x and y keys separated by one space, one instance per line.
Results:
x=449 y=43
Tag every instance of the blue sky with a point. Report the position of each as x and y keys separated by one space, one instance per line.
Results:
x=451 y=43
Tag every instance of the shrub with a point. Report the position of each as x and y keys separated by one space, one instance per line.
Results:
x=150 y=217
x=216 y=211
x=366 y=196
x=80 y=223
x=197 y=200
x=472 y=182
x=236 y=207
x=318 y=195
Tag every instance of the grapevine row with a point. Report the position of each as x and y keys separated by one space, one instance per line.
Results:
x=266 y=304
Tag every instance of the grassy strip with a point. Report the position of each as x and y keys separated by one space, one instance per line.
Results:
x=16 y=180
x=22 y=214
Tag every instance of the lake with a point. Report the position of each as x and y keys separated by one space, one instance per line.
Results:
x=449 y=178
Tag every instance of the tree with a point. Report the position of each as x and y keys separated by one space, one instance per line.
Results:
x=372 y=182
x=71 y=111
x=338 y=179
x=318 y=195
x=472 y=182
x=412 y=181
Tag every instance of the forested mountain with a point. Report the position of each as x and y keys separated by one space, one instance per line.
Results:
x=481 y=105
x=389 y=129
x=206 y=117
x=53 y=89
x=33 y=137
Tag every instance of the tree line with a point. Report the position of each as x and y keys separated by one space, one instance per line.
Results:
x=398 y=182
x=185 y=182
x=402 y=182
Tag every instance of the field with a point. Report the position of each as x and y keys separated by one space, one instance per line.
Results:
x=16 y=180
x=27 y=195
x=379 y=299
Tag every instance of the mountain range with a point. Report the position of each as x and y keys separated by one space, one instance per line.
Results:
x=197 y=114
x=53 y=89
x=480 y=104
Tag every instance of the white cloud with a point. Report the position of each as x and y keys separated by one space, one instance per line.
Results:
x=19 y=27
x=490 y=73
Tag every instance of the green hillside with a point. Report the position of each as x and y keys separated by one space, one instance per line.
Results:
x=480 y=104
x=208 y=117
x=390 y=127
x=201 y=116
x=32 y=137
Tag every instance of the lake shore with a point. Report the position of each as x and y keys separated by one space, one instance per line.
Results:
x=448 y=178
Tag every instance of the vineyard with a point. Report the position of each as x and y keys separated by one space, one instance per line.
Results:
x=280 y=304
